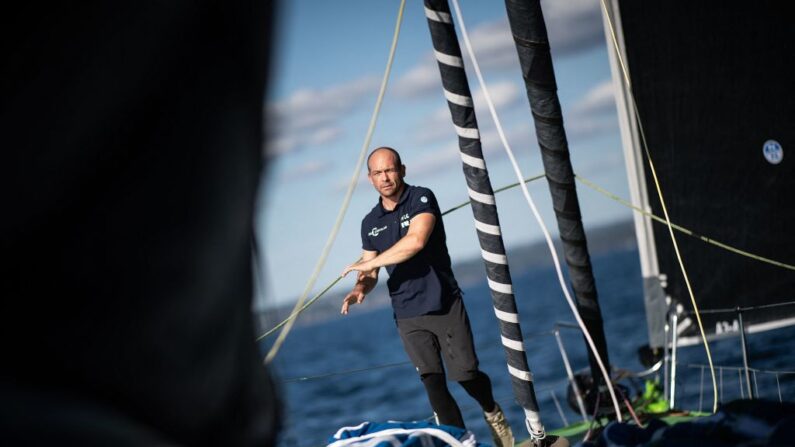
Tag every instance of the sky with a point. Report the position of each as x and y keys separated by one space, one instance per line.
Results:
x=329 y=59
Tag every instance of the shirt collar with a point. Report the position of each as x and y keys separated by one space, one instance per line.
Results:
x=403 y=197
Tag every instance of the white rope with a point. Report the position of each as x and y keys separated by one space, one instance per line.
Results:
x=351 y=186
x=530 y=202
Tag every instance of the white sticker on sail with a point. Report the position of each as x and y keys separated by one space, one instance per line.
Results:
x=773 y=152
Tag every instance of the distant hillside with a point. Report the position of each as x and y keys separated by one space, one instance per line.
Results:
x=618 y=236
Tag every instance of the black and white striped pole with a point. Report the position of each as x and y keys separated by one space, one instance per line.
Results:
x=484 y=209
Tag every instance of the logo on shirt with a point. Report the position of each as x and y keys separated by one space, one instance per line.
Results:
x=404 y=221
x=424 y=199
x=374 y=232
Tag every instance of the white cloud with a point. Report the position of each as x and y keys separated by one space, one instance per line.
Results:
x=309 y=168
x=573 y=26
x=324 y=135
x=597 y=100
x=448 y=156
x=435 y=161
x=493 y=45
x=423 y=78
x=594 y=113
x=311 y=117
x=503 y=94
x=438 y=125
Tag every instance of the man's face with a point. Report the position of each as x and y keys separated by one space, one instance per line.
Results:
x=385 y=174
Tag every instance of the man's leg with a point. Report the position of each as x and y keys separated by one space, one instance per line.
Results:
x=442 y=402
x=462 y=363
x=480 y=389
x=422 y=347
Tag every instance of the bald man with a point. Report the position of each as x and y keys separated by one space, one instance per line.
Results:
x=404 y=233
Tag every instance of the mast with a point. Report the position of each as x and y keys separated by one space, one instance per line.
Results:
x=653 y=294
x=484 y=209
x=532 y=45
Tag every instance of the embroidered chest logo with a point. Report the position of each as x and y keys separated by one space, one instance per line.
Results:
x=375 y=231
x=404 y=221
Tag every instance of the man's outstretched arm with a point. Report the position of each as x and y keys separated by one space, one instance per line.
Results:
x=365 y=282
x=409 y=245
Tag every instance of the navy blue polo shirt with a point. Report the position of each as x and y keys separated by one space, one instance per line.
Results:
x=424 y=283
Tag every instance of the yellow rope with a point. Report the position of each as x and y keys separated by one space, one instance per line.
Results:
x=682 y=229
x=351 y=186
x=665 y=209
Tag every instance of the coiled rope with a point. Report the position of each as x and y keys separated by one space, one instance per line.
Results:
x=532 y=206
x=662 y=204
x=351 y=186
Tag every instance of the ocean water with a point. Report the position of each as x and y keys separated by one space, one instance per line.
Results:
x=318 y=400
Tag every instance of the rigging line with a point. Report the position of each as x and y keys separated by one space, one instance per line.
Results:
x=766 y=371
x=351 y=186
x=504 y=188
x=297 y=312
x=744 y=309
x=346 y=372
x=682 y=229
x=664 y=208
x=596 y=188
x=530 y=202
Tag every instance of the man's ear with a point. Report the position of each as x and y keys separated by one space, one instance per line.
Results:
x=402 y=171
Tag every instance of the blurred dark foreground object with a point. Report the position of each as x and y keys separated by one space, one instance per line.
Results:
x=131 y=136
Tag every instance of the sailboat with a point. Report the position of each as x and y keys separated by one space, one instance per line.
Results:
x=711 y=104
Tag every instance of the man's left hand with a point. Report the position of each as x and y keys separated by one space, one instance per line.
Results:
x=361 y=266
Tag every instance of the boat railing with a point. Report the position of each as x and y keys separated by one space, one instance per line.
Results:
x=742 y=380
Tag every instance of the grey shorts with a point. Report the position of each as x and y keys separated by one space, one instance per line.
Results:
x=428 y=338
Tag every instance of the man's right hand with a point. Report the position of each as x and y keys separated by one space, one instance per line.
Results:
x=354 y=297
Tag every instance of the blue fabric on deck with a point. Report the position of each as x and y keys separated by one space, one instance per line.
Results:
x=404 y=434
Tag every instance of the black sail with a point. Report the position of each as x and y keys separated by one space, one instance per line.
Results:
x=716 y=100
